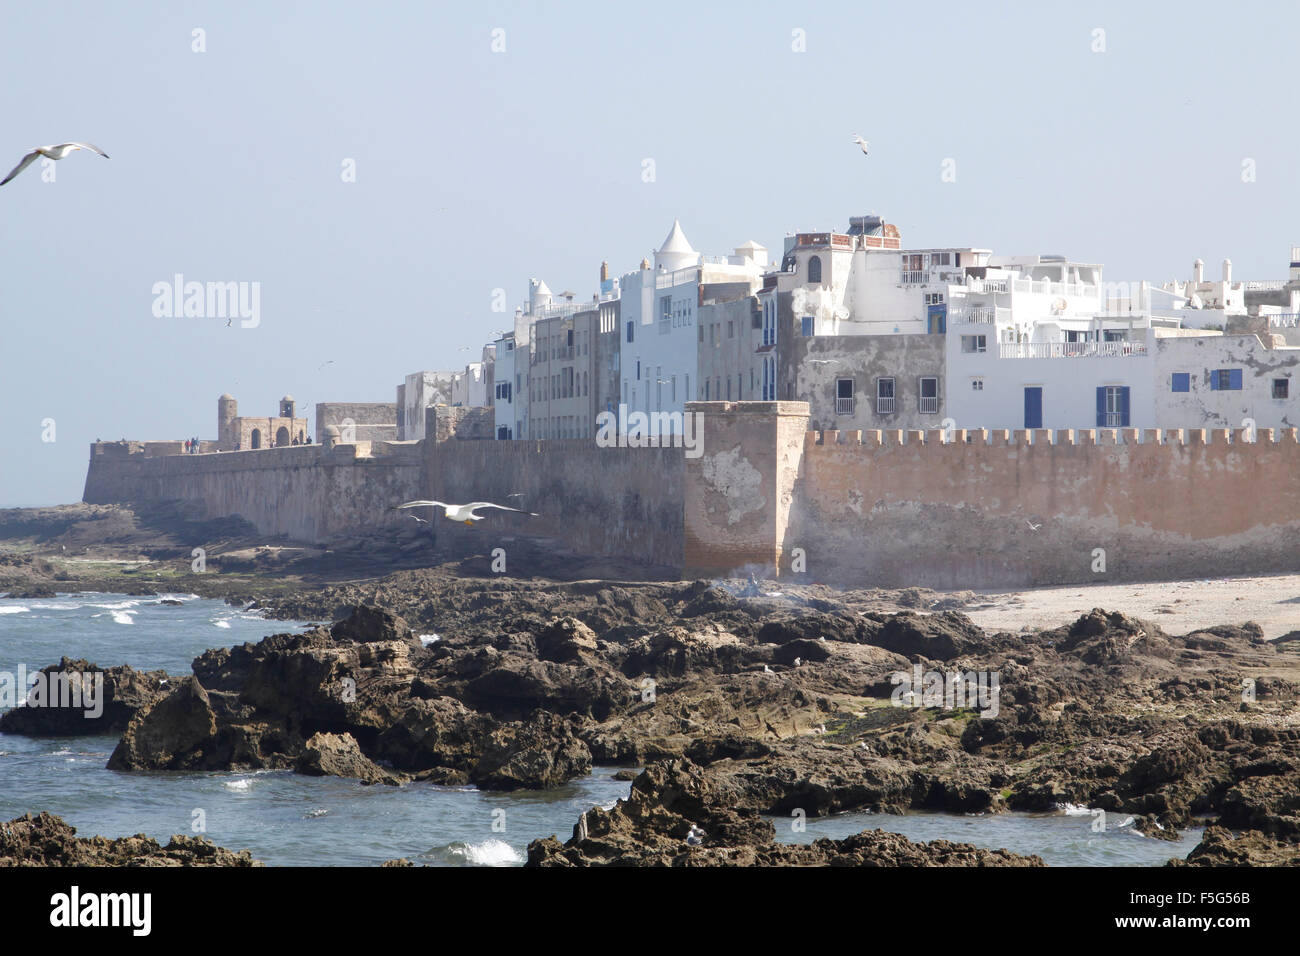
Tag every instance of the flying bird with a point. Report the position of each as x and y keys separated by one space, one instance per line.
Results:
x=50 y=152
x=1032 y=526
x=463 y=513
x=861 y=142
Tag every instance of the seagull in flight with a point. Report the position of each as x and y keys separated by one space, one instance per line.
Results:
x=50 y=152
x=463 y=513
x=857 y=138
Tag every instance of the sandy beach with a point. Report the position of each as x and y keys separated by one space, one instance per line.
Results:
x=1271 y=601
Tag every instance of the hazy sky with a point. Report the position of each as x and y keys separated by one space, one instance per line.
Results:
x=476 y=170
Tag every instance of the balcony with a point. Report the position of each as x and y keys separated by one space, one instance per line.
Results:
x=1070 y=349
x=1284 y=320
x=910 y=277
x=977 y=315
x=884 y=405
x=844 y=406
x=929 y=404
x=987 y=285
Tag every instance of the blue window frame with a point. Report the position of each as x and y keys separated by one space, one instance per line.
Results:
x=1182 y=382
x=630 y=326
x=807 y=326
x=1112 y=406
x=1226 y=380
x=1033 y=406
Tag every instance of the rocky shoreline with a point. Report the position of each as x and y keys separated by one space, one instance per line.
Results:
x=740 y=700
x=45 y=840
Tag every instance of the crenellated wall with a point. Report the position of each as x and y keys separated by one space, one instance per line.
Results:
x=1009 y=509
x=964 y=509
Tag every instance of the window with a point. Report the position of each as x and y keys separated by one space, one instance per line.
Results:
x=665 y=313
x=929 y=395
x=731 y=329
x=815 y=269
x=973 y=343
x=701 y=331
x=630 y=326
x=844 y=396
x=807 y=325
x=977 y=385
x=1112 y=406
x=1181 y=382
x=884 y=396
x=1281 y=387
x=1226 y=380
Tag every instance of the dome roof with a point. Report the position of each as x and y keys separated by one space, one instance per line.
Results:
x=226 y=398
x=287 y=398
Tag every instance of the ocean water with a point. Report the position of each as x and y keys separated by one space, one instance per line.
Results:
x=287 y=819
x=1065 y=838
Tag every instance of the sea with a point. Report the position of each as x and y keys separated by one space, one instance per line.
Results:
x=286 y=819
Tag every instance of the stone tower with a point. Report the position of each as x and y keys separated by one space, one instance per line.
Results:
x=286 y=407
x=227 y=412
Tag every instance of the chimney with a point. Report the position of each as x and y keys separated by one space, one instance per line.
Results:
x=604 y=272
x=1227 y=271
x=1198 y=271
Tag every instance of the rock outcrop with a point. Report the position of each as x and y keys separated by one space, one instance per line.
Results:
x=45 y=840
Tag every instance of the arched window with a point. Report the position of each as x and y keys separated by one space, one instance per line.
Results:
x=815 y=269
x=256 y=438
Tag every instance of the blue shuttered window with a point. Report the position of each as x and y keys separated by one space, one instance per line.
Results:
x=1226 y=379
x=1182 y=382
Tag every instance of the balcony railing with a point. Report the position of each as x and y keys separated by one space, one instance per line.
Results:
x=929 y=404
x=844 y=406
x=977 y=314
x=1284 y=320
x=884 y=406
x=987 y=285
x=912 y=277
x=1265 y=285
x=1070 y=349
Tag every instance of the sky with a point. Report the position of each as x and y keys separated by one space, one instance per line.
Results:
x=492 y=143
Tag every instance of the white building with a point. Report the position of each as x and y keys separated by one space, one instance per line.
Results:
x=660 y=334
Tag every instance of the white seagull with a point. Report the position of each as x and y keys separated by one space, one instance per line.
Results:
x=50 y=152
x=463 y=513
x=857 y=138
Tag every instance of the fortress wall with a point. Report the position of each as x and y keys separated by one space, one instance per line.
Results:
x=307 y=492
x=1009 y=509
x=984 y=509
x=595 y=501
x=614 y=501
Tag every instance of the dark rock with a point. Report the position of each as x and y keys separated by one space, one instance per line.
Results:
x=45 y=840
x=337 y=755
x=125 y=692
x=171 y=734
x=536 y=754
